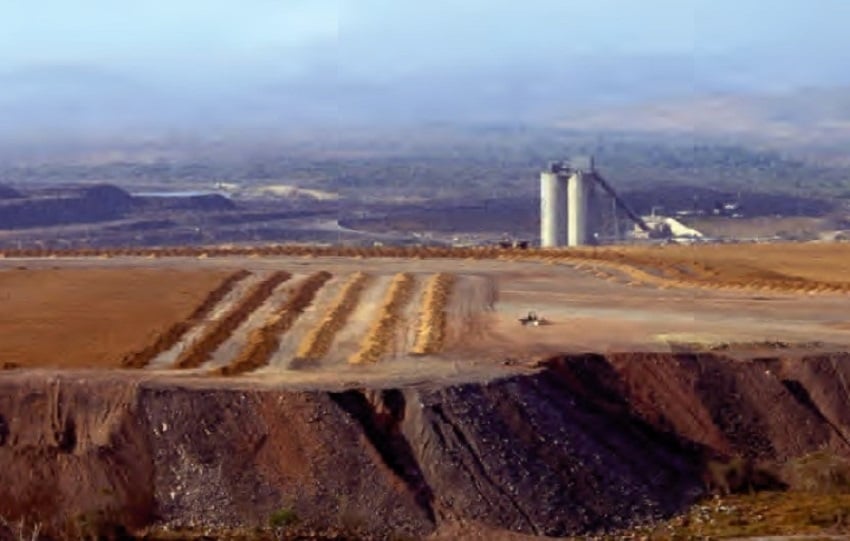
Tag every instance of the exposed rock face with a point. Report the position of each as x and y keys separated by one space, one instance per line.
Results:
x=585 y=443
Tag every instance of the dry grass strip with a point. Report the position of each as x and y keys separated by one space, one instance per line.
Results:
x=614 y=259
x=202 y=349
x=264 y=341
x=432 y=318
x=318 y=341
x=380 y=336
x=170 y=337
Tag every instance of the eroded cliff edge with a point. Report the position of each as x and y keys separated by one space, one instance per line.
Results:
x=581 y=444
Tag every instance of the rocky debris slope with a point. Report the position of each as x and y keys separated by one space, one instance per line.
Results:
x=585 y=443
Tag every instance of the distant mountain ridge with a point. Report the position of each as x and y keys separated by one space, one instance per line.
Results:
x=816 y=117
x=638 y=95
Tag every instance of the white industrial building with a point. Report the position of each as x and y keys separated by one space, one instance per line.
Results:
x=573 y=198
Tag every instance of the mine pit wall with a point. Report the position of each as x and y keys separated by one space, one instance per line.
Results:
x=586 y=442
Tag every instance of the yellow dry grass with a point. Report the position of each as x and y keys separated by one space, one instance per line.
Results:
x=379 y=339
x=318 y=341
x=265 y=340
x=754 y=515
x=432 y=317
x=202 y=349
x=792 y=268
x=785 y=267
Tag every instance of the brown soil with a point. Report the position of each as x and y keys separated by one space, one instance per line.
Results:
x=76 y=318
x=202 y=349
x=263 y=342
x=176 y=332
x=582 y=444
x=317 y=343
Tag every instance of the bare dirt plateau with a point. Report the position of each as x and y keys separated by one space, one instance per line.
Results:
x=191 y=395
x=73 y=318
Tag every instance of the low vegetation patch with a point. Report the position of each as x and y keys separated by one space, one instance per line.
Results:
x=283 y=518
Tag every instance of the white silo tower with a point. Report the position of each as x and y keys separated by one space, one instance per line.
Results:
x=553 y=208
x=578 y=188
x=570 y=212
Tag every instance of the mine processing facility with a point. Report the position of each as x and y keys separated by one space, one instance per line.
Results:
x=579 y=207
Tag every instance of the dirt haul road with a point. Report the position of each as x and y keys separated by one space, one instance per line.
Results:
x=392 y=396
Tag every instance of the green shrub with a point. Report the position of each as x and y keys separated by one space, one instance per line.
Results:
x=282 y=518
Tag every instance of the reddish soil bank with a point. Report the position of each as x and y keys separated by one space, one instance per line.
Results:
x=585 y=443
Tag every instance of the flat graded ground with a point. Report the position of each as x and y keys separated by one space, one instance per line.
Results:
x=89 y=312
x=826 y=262
x=91 y=317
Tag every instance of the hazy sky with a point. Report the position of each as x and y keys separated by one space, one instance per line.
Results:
x=107 y=66
x=381 y=38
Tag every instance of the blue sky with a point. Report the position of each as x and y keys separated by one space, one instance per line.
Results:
x=209 y=37
x=108 y=64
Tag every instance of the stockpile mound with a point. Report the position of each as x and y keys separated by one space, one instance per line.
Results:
x=432 y=318
x=7 y=192
x=381 y=335
x=263 y=342
x=202 y=349
x=317 y=343
x=172 y=336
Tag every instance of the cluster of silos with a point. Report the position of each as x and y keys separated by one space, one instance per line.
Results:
x=565 y=194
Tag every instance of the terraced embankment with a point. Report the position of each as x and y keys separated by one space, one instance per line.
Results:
x=583 y=443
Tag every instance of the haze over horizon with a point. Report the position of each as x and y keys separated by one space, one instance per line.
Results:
x=93 y=66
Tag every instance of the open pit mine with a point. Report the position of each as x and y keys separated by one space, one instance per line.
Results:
x=408 y=393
